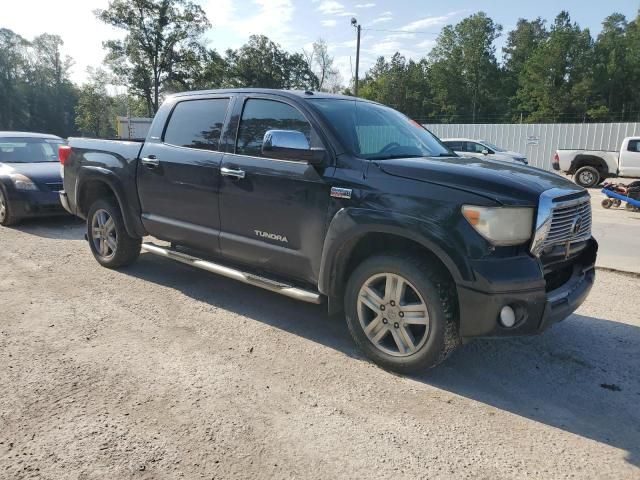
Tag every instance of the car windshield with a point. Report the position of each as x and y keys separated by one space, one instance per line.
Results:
x=29 y=150
x=375 y=132
x=493 y=147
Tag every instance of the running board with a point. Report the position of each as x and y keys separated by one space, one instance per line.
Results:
x=244 y=277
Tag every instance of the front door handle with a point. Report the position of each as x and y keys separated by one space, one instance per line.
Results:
x=151 y=161
x=229 y=172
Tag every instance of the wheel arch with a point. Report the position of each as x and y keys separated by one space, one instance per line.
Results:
x=598 y=163
x=356 y=234
x=95 y=183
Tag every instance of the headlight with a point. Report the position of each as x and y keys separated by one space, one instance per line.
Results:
x=20 y=182
x=501 y=225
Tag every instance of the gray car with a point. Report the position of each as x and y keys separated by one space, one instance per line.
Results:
x=483 y=149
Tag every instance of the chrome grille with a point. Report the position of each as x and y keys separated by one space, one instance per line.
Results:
x=570 y=222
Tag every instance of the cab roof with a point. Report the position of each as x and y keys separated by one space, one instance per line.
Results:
x=307 y=94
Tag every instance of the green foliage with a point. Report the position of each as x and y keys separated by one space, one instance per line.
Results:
x=161 y=46
x=36 y=93
x=94 y=110
x=263 y=63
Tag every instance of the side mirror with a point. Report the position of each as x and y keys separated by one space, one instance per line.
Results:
x=485 y=152
x=290 y=145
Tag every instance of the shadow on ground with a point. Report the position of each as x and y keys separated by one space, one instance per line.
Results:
x=581 y=376
x=62 y=227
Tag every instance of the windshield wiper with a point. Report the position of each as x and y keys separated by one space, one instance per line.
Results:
x=391 y=157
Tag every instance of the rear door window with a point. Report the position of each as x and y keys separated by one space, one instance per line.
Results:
x=197 y=123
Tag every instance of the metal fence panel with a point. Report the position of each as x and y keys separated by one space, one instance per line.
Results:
x=539 y=141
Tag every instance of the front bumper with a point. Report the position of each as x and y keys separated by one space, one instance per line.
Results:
x=536 y=307
x=30 y=203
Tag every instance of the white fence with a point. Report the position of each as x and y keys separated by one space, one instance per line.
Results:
x=538 y=141
x=133 y=127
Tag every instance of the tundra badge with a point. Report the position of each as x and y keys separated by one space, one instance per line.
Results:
x=340 y=192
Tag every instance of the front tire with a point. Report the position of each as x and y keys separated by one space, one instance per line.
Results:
x=6 y=217
x=401 y=312
x=108 y=239
x=587 y=176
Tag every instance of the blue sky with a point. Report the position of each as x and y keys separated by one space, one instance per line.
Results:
x=295 y=24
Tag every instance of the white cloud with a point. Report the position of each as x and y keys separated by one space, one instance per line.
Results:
x=332 y=7
x=365 y=5
x=329 y=23
x=428 y=22
x=384 y=17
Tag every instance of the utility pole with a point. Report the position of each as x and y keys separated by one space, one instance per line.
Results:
x=358 y=28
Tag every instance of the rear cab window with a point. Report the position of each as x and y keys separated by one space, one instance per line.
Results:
x=197 y=123
x=634 y=145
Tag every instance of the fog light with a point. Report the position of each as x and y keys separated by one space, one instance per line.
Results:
x=507 y=316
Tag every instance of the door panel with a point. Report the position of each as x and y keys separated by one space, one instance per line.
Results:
x=179 y=180
x=273 y=212
x=630 y=159
x=274 y=217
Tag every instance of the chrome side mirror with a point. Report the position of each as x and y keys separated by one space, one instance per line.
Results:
x=290 y=145
x=485 y=152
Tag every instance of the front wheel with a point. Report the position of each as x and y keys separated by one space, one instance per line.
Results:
x=109 y=241
x=401 y=311
x=587 y=176
x=6 y=217
x=607 y=202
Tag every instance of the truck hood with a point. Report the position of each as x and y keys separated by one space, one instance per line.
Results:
x=39 y=172
x=503 y=182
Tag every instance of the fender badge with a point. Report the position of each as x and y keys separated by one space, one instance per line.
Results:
x=337 y=192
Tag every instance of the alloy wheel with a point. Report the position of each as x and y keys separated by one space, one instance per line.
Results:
x=3 y=207
x=393 y=314
x=103 y=234
x=587 y=177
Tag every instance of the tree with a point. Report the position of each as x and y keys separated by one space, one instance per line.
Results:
x=161 y=36
x=14 y=113
x=321 y=64
x=263 y=63
x=95 y=107
x=521 y=44
x=556 y=82
x=464 y=70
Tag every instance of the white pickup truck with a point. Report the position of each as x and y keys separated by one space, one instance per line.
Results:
x=590 y=167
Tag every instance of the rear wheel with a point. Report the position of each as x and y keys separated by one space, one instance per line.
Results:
x=587 y=176
x=607 y=202
x=6 y=218
x=400 y=311
x=109 y=241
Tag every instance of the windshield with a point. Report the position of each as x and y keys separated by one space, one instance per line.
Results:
x=376 y=132
x=29 y=150
x=493 y=147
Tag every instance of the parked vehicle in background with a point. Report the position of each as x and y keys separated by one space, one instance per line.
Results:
x=591 y=167
x=330 y=198
x=467 y=147
x=29 y=176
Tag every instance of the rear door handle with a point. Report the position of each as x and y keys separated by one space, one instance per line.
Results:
x=229 y=172
x=151 y=161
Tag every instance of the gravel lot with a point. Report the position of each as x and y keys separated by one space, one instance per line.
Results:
x=160 y=371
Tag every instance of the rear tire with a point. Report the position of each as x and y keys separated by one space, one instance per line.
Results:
x=401 y=311
x=6 y=218
x=587 y=176
x=108 y=239
x=606 y=203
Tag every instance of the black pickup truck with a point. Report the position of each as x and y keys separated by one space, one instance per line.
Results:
x=335 y=199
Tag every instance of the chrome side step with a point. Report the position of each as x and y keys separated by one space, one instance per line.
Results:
x=244 y=277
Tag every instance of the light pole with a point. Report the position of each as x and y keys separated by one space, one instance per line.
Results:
x=357 y=26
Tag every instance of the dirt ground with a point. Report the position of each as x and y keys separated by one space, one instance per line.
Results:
x=161 y=371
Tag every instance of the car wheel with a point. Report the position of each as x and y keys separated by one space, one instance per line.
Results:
x=109 y=241
x=401 y=311
x=6 y=218
x=587 y=176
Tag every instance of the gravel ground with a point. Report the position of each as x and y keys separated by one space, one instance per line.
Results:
x=160 y=371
